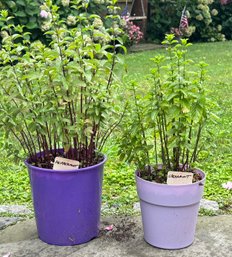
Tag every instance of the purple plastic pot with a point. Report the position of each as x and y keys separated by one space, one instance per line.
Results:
x=169 y=212
x=67 y=204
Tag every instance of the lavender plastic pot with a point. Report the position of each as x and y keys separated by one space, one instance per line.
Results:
x=67 y=203
x=169 y=212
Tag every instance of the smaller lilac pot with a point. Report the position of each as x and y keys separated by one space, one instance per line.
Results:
x=67 y=204
x=169 y=212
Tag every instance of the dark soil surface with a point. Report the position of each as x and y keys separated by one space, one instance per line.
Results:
x=122 y=230
x=159 y=175
x=85 y=158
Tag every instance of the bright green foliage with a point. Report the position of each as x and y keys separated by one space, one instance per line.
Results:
x=119 y=190
x=14 y=183
x=61 y=96
x=164 y=124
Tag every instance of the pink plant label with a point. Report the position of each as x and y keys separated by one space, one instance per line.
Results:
x=61 y=163
x=179 y=178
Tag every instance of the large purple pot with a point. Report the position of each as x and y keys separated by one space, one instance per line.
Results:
x=169 y=212
x=67 y=203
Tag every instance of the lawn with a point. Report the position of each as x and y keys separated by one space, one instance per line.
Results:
x=119 y=192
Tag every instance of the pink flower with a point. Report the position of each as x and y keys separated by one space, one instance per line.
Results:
x=109 y=228
x=44 y=14
x=133 y=31
x=227 y=185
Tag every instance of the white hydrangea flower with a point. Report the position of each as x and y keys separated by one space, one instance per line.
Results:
x=214 y=12
x=117 y=30
x=4 y=34
x=208 y=21
x=87 y=40
x=224 y=39
x=71 y=20
x=200 y=7
x=188 y=14
x=65 y=3
x=113 y=10
x=199 y=17
x=205 y=8
x=219 y=27
x=45 y=26
x=97 y=35
x=37 y=45
x=107 y=38
x=97 y=23
x=78 y=34
x=123 y=23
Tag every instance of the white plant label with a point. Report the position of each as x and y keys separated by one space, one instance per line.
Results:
x=61 y=163
x=179 y=178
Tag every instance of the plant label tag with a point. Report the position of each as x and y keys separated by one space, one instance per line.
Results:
x=65 y=164
x=179 y=178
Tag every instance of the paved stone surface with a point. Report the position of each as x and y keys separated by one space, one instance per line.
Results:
x=15 y=209
x=209 y=205
x=136 y=207
x=7 y=221
x=213 y=239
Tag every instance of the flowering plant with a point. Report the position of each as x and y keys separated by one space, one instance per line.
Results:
x=32 y=16
x=134 y=33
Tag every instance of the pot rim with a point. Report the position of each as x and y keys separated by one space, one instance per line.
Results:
x=66 y=171
x=200 y=182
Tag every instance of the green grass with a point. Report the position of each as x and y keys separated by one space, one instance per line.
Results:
x=14 y=182
x=119 y=191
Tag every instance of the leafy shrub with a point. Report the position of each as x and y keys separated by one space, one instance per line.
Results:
x=223 y=21
x=27 y=13
x=204 y=19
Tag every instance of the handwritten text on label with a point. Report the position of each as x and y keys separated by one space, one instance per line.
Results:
x=179 y=178
x=65 y=164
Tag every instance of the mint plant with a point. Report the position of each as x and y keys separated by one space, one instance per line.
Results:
x=164 y=125
x=59 y=99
